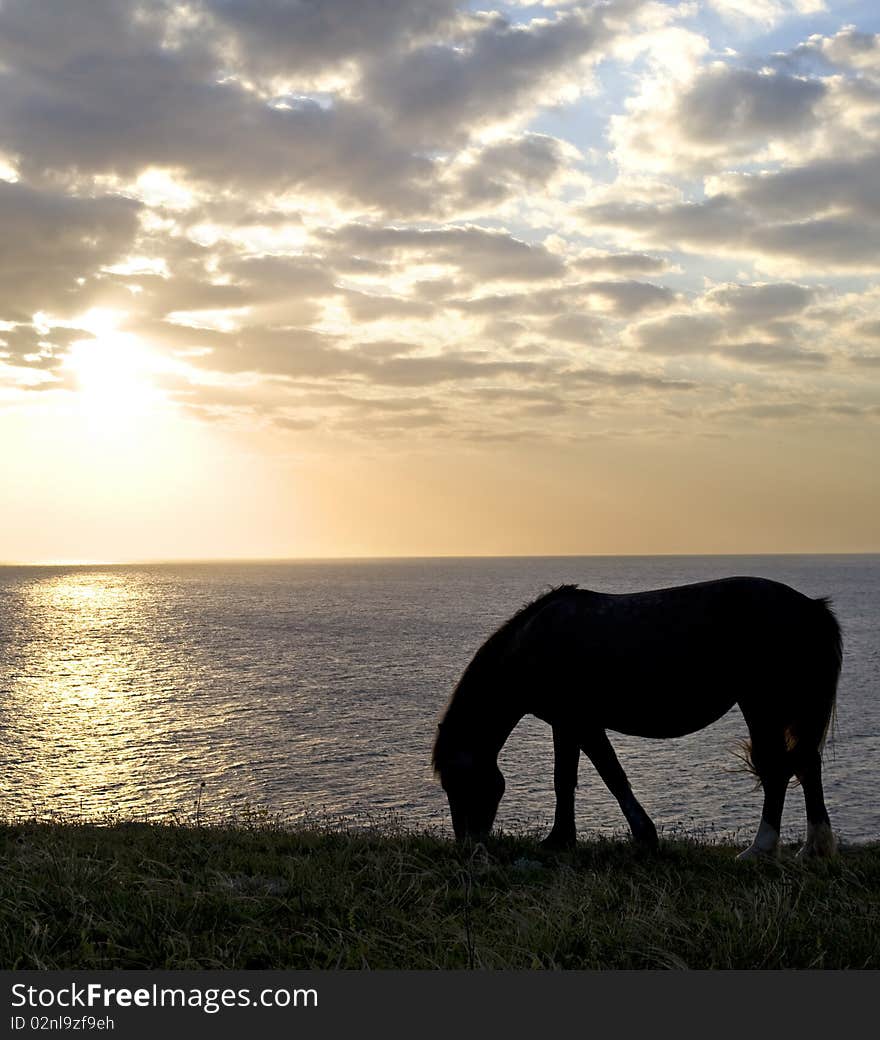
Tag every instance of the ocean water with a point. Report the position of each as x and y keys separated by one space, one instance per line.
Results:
x=315 y=687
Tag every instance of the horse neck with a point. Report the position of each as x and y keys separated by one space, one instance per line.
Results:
x=481 y=719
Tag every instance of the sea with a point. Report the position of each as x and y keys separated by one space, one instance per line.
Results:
x=311 y=690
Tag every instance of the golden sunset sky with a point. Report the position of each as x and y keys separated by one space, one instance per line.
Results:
x=287 y=278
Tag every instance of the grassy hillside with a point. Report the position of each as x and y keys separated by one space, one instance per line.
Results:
x=136 y=895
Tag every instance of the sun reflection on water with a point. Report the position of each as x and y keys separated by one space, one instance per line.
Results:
x=76 y=689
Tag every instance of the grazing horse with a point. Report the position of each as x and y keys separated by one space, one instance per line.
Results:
x=651 y=664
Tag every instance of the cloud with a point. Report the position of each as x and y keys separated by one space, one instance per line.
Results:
x=449 y=367
x=835 y=244
x=584 y=329
x=323 y=373
x=419 y=216
x=727 y=106
x=847 y=49
x=274 y=289
x=627 y=379
x=40 y=38
x=291 y=40
x=620 y=297
x=775 y=354
x=474 y=251
x=766 y=13
x=825 y=186
x=630 y=297
x=442 y=92
x=93 y=90
x=43 y=350
x=717 y=320
x=112 y=90
x=695 y=225
x=296 y=353
x=52 y=242
x=776 y=215
x=783 y=410
x=871 y=328
x=506 y=168
x=725 y=113
x=620 y=263
x=365 y=307
x=680 y=334
x=761 y=303
x=216 y=134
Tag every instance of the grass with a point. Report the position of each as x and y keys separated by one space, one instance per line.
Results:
x=256 y=894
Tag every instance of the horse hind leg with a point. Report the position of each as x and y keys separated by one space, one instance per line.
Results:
x=766 y=843
x=771 y=762
x=820 y=838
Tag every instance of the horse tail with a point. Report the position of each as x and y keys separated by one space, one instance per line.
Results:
x=810 y=708
x=821 y=711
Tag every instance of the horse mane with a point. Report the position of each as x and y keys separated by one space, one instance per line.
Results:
x=489 y=654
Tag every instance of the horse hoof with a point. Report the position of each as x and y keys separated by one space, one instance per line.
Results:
x=755 y=852
x=820 y=843
x=809 y=852
x=558 y=842
x=646 y=837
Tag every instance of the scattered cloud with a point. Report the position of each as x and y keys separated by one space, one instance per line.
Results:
x=765 y=13
x=54 y=243
x=724 y=114
x=487 y=255
x=329 y=215
x=497 y=73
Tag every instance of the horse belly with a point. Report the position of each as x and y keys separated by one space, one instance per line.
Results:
x=658 y=705
x=668 y=724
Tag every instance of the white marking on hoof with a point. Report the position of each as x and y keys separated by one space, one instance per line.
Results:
x=820 y=843
x=765 y=845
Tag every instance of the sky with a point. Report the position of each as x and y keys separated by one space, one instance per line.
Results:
x=294 y=278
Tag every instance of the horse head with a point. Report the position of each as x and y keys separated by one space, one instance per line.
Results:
x=474 y=786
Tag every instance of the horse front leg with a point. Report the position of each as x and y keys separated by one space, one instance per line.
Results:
x=598 y=749
x=566 y=754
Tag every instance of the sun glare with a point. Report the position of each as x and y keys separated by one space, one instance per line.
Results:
x=112 y=371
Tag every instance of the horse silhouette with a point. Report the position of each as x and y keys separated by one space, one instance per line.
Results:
x=660 y=663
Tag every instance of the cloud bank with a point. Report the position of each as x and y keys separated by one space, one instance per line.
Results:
x=356 y=219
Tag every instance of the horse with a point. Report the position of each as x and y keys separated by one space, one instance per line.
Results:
x=659 y=663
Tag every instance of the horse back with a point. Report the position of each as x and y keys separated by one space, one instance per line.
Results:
x=669 y=661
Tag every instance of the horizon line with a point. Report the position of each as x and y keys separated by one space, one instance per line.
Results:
x=169 y=561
